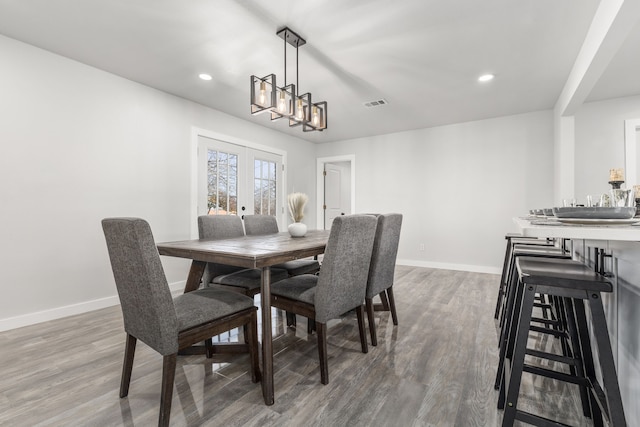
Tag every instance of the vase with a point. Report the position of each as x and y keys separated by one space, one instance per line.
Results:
x=297 y=229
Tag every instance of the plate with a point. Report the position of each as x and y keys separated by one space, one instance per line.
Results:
x=598 y=221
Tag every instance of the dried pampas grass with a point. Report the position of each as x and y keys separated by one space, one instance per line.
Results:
x=297 y=202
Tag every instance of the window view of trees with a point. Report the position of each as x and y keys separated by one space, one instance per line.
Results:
x=222 y=183
x=264 y=187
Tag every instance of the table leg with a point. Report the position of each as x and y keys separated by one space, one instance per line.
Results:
x=267 y=339
x=195 y=275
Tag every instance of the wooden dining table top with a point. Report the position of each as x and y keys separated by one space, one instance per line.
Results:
x=249 y=251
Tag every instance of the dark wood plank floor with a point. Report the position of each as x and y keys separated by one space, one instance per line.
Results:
x=435 y=369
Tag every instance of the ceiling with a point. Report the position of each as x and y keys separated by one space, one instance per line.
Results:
x=422 y=56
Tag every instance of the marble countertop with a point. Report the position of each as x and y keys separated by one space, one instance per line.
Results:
x=551 y=227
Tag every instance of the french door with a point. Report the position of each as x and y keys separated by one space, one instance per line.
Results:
x=238 y=180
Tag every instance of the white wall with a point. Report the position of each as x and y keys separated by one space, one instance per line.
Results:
x=78 y=144
x=600 y=142
x=458 y=186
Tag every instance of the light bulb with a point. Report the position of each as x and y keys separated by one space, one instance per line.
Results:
x=282 y=104
x=315 y=117
x=263 y=93
x=300 y=110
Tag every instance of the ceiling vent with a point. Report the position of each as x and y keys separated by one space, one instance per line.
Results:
x=376 y=103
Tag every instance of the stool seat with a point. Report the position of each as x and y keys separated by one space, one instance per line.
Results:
x=535 y=249
x=561 y=274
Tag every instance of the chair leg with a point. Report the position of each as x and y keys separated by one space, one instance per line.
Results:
x=208 y=345
x=385 y=302
x=392 y=305
x=168 y=375
x=127 y=366
x=517 y=361
x=362 y=329
x=311 y=326
x=607 y=364
x=372 y=323
x=291 y=319
x=503 y=277
x=252 y=332
x=321 y=329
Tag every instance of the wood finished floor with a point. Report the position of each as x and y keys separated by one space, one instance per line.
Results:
x=436 y=368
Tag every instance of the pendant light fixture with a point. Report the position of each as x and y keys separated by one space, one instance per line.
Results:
x=284 y=101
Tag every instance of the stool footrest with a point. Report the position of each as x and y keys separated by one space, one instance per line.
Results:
x=548 y=322
x=547 y=331
x=549 y=373
x=537 y=420
x=551 y=356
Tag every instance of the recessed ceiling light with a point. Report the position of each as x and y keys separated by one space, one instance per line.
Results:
x=204 y=76
x=486 y=77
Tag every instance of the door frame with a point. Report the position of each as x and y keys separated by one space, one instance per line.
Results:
x=195 y=134
x=321 y=161
x=631 y=142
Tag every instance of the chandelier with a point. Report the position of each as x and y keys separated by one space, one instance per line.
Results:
x=284 y=101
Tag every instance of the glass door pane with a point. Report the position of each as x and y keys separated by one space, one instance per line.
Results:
x=222 y=183
x=265 y=184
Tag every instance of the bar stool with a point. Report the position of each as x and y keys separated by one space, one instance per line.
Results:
x=573 y=284
x=515 y=239
x=552 y=320
x=508 y=276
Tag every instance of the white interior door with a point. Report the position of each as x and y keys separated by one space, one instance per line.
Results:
x=237 y=180
x=332 y=194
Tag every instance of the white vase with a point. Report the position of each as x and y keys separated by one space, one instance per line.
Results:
x=297 y=229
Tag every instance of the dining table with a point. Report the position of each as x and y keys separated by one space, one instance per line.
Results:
x=255 y=252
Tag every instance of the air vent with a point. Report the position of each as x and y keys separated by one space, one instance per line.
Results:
x=376 y=103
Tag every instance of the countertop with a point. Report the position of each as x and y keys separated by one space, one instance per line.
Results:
x=550 y=227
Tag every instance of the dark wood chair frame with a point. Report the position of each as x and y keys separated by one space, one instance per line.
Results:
x=186 y=339
x=308 y=311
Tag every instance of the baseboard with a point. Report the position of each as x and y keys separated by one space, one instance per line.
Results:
x=68 y=310
x=447 y=266
x=177 y=287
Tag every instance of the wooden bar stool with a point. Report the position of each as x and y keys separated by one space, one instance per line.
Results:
x=573 y=285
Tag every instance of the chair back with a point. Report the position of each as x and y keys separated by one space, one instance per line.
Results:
x=219 y=227
x=260 y=224
x=216 y=227
x=145 y=298
x=385 y=251
x=343 y=276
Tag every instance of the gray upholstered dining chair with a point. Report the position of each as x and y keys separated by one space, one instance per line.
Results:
x=246 y=281
x=164 y=323
x=338 y=288
x=255 y=225
x=381 y=271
